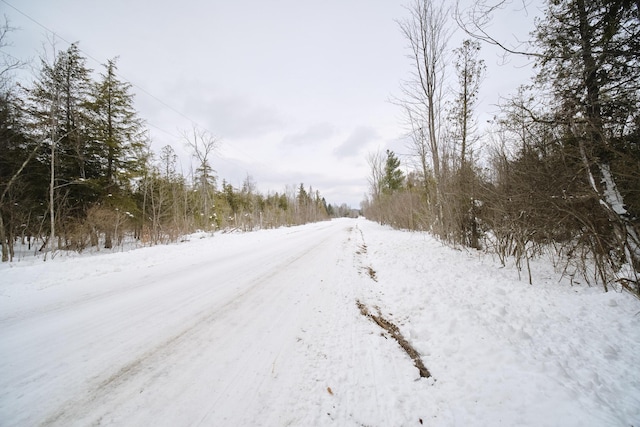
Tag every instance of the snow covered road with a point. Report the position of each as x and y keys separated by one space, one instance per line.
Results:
x=263 y=329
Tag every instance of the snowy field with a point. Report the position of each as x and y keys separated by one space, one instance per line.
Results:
x=262 y=329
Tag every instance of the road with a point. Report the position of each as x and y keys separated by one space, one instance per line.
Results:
x=242 y=330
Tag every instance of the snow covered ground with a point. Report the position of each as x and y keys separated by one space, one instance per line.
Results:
x=263 y=329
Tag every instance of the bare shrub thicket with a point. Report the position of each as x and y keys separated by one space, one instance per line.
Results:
x=561 y=163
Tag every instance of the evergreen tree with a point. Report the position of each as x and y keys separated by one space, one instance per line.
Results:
x=23 y=179
x=393 y=179
x=118 y=131
x=119 y=143
x=60 y=115
x=231 y=197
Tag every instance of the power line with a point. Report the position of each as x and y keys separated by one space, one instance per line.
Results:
x=141 y=89
x=164 y=104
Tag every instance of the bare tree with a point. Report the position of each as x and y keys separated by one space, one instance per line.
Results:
x=463 y=133
x=470 y=73
x=8 y=63
x=376 y=176
x=426 y=29
x=476 y=22
x=203 y=145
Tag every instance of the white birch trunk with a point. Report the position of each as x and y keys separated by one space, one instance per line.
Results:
x=613 y=201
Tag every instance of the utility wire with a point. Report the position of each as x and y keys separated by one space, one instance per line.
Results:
x=141 y=89
x=101 y=63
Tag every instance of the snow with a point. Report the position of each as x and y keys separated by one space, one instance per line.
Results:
x=262 y=328
x=611 y=194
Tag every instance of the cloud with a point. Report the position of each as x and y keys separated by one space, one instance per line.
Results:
x=313 y=134
x=237 y=117
x=358 y=139
x=226 y=115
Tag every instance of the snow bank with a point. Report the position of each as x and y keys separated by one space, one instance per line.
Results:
x=504 y=352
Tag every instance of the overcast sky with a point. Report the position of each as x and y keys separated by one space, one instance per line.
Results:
x=297 y=91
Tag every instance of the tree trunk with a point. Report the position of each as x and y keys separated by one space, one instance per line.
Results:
x=3 y=241
x=108 y=244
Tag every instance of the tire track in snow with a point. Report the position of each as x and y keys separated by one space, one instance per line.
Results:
x=385 y=324
x=388 y=365
x=352 y=359
x=361 y=252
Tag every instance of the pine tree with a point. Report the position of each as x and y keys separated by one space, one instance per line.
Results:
x=23 y=179
x=60 y=117
x=61 y=97
x=119 y=143
x=118 y=131
x=393 y=179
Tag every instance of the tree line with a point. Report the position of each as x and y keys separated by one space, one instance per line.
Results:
x=558 y=171
x=77 y=171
